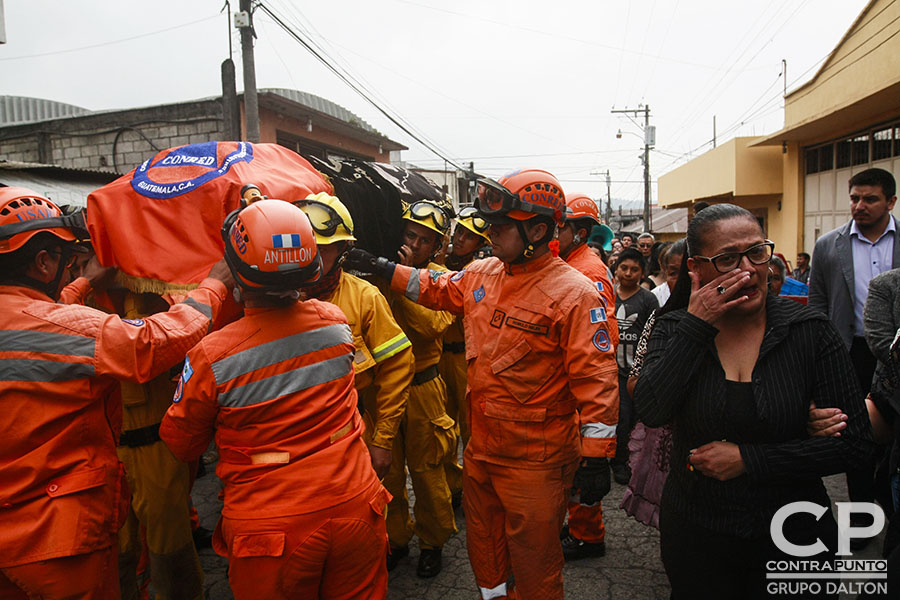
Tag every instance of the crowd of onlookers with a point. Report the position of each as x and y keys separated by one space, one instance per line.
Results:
x=708 y=351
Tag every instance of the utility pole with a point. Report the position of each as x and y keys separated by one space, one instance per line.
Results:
x=608 y=198
x=649 y=141
x=244 y=21
x=714 y=131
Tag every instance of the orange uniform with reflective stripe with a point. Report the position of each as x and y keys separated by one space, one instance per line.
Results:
x=277 y=388
x=586 y=262
x=301 y=497
x=542 y=374
x=540 y=363
x=61 y=488
x=586 y=522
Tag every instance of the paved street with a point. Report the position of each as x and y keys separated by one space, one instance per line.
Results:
x=631 y=569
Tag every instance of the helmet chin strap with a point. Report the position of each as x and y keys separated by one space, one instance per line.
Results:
x=529 y=246
x=51 y=288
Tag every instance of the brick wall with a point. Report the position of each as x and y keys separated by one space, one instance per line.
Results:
x=114 y=141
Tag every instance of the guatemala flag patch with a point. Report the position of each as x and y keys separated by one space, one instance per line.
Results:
x=286 y=240
x=598 y=315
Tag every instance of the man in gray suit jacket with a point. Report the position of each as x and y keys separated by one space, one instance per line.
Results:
x=843 y=262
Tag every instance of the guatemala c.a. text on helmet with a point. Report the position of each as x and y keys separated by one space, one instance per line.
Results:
x=270 y=247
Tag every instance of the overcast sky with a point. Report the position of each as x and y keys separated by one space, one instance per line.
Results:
x=503 y=83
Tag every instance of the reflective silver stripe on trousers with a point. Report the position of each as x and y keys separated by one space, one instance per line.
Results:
x=276 y=351
x=20 y=340
x=412 y=286
x=27 y=369
x=598 y=430
x=290 y=382
x=205 y=309
x=495 y=592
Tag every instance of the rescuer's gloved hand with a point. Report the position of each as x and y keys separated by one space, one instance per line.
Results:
x=592 y=479
x=366 y=262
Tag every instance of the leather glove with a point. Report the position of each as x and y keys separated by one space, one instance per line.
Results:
x=592 y=479
x=366 y=262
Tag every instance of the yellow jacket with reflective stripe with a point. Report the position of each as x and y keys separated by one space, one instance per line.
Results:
x=424 y=326
x=384 y=357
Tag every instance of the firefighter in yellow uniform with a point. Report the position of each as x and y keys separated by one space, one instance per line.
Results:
x=427 y=435
x=160 y=484
x=383 y=362
x=469 y=236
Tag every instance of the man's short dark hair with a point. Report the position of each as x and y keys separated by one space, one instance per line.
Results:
x=874 y=177
x=14 y=264
x=804 y=255
x=698 y=206
x=629 y=235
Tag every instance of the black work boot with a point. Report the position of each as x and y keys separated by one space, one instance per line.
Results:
x=574 y=548
x=395 y=555
x=429 y=563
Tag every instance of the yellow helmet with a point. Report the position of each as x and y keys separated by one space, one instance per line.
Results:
x=430 y=215
x=471 y=220
x=330 y=219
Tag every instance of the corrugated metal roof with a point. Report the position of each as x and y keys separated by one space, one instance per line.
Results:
x=665 y=220
x=15 y=110
x=322 y=105
x=63 y=186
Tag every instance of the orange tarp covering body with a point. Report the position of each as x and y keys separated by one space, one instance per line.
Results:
x=162 y=220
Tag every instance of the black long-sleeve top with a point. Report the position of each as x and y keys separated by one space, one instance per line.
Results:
x=801 y=360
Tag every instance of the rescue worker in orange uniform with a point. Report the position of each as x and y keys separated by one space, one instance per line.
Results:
x=62 y=488
x=304 y=510
x=584 y=536
x=383 y=362
x=160 y=484
x=469 y=236
x=427 y=434
x=543 y=398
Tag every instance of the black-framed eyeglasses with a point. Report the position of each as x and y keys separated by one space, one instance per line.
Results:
x=726 y=261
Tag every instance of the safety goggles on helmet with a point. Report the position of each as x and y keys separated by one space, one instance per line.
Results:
x=472 y=217
x=75 y=224
x=323 y=218
x=424 y=211
x=495 y=199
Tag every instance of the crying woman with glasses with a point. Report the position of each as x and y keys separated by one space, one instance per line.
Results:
x=735 y=370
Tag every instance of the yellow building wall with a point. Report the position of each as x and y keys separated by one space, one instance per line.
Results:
x=865 y=61
x=710 y=174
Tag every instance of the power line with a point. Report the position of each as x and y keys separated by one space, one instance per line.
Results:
x=356 y=86
x=109 y=43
